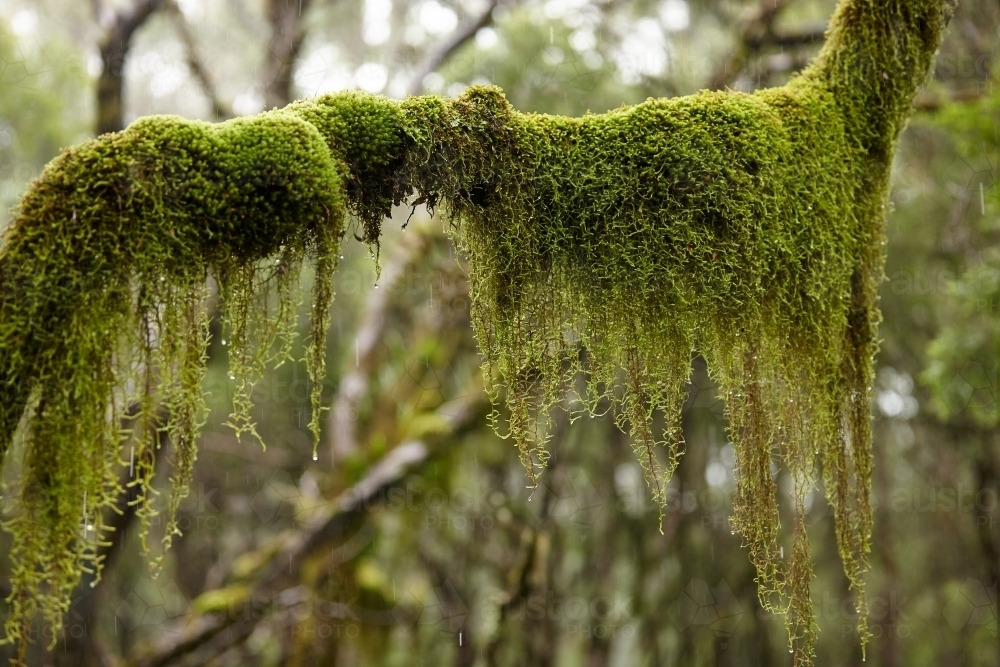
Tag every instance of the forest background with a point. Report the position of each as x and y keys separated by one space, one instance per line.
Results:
x=413 y=539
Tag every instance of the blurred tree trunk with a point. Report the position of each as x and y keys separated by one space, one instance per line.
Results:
x=287 y=34
x=120 y=26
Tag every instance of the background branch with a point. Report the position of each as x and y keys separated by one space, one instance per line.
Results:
x=438 y=57
x=757 y=34
x=205 y=639
x=114 y=48
x=285 y=18
x=342 y=432
x=196 y=64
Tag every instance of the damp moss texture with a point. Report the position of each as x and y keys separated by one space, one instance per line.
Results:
x=747 y=228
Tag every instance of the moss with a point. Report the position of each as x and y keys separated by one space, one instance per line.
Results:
x=747 y=228
x=103 y=275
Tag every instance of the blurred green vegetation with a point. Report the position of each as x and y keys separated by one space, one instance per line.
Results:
x=44 y=95
x=459 y=563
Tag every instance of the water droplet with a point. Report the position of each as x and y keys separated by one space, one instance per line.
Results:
x=232 y=377
x=223 y=341
x=315 y=458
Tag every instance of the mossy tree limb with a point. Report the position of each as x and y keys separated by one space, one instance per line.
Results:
x=747 y=227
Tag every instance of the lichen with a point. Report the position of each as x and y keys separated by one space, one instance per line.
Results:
x=744 y=227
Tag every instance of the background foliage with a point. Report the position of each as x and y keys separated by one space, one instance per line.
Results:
x=454 y=561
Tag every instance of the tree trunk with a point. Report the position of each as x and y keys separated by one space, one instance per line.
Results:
x=114 y=49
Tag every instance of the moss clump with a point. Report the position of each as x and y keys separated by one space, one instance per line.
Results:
x=746 y=227
x=103 y=288
x=719 y=222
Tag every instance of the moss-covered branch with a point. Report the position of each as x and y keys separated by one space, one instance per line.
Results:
x=747 y=227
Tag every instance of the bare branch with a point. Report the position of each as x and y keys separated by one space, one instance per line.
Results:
x=207 y=637
x=436 y=58
x=787 y=40
x=287 y=35
x=220 y=109
x=931 y=102
x=103 y=14
x=246 y=20
x=114 y=47
x=756 y=35
x=129 y=20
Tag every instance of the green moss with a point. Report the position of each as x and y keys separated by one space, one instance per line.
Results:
x=103 y=286
x=747 y=228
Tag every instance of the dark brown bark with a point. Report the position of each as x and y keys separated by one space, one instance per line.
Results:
x=114 y=48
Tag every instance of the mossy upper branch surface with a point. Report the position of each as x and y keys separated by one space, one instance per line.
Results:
x=747 y=228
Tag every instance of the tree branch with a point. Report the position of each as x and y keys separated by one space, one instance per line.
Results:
x=114 y=48
x=220 y=109
x=204 y=639
x=283 y=46
x=102 y=14
x=757 y=34
x=436 y=58
x=787 y=40
x=931 y=102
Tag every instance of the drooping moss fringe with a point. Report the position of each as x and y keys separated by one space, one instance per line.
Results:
x=747 y=227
